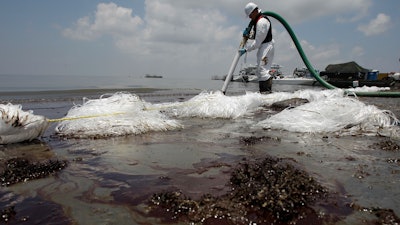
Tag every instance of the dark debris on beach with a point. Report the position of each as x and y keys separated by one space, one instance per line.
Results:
x=387 y=145
x=288 y=104
x=7 y=214
x=383 y=216
x=18 y=170
x=266 y=191
x=252 y=140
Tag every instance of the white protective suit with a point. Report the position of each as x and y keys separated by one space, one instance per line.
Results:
x=265 y=52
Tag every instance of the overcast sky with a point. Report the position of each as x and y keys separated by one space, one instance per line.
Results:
x=184 y=38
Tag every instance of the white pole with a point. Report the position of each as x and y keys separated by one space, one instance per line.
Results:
x=230 y=73
x=233 y=66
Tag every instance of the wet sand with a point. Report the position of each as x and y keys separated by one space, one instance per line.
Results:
x=111 y=181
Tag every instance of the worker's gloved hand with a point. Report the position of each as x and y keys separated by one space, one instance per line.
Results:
x=242 y=51
x=246 y=32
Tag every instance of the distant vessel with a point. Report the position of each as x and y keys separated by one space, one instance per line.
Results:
x=248 y=74
x=153 y=76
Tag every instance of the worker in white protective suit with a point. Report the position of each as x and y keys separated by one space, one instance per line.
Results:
x=260 y=27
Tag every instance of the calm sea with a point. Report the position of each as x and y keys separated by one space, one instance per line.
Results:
x=11 y=84
x=17 y=83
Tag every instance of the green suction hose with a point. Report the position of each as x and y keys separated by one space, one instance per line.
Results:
x=311 y=69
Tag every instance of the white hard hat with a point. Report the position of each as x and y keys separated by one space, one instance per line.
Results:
x=250 y=7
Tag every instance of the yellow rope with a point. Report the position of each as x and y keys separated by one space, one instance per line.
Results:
x=177 y=105
x=83 y=117
x=158 y=108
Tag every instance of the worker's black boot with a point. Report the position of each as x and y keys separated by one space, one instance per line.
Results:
x=265 y=86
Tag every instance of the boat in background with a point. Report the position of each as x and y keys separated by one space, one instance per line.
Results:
x=153 y=76
x=248 y=74
x=350 y=74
